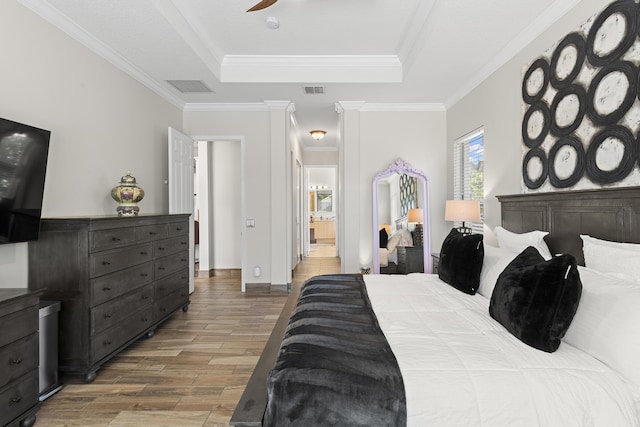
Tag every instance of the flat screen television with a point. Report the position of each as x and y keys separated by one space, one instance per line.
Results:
x=24 y=151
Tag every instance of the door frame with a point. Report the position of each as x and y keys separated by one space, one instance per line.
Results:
x=243 y=238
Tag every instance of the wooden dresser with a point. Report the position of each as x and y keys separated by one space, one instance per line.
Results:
x=117 y=278
x=410 y=259
x=18 y=357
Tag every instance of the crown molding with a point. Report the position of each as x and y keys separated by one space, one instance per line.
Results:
x=46 y=11
x=192 y=34
x=521 y=41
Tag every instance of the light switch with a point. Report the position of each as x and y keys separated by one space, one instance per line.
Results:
x=251 y=223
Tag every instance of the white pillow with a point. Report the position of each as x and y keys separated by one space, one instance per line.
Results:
x=606 y=322
x=622 y=259
x=400 y=238
x=494 y=263
x=393 y=242
x=610 y=244
x=519 y=242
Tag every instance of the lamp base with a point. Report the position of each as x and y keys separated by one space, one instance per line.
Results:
x=417 y=235
x=464 y=230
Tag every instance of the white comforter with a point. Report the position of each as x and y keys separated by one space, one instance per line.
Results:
x=462 y=368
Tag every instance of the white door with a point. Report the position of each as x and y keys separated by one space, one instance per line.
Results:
x=181 y=164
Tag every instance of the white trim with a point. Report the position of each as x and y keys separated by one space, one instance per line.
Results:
x=53 y=16
x=544 y=21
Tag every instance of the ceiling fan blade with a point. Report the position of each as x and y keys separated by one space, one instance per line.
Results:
x=262 y=5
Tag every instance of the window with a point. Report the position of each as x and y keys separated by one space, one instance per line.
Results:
x=468 y=173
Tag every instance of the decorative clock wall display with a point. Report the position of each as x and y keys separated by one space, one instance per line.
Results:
x=581 y=106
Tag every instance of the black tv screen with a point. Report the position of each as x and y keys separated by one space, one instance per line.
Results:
x=23 y=163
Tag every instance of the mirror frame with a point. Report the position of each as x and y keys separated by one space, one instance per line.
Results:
x=401 y=167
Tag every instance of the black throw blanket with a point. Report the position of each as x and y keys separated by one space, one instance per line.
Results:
x=335 y=366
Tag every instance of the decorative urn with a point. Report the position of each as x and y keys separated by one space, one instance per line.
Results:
x=127 y=194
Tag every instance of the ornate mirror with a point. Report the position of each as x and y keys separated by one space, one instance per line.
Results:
x=400 y=192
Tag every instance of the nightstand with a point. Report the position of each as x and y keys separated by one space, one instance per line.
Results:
x=410 y=259
x=435 y=259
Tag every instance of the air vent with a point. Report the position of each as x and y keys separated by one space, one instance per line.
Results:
x=313 y=90
x=190 y=86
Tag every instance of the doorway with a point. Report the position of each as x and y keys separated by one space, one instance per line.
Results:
x=321 y=211
x=219 y=206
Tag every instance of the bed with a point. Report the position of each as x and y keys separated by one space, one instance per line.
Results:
x=458 y=365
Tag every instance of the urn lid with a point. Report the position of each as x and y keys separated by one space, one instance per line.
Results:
x=128 y=179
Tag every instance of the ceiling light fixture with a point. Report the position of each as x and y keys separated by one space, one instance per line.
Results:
x=272 y=22
x=318 y=134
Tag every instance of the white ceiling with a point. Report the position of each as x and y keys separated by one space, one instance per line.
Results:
x=429 y=53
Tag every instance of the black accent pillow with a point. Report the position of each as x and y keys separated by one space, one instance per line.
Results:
x=461 y=261
x=537 y=299
x=384 y=238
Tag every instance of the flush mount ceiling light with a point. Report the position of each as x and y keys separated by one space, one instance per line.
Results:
x=318 y=134
x=272 y=22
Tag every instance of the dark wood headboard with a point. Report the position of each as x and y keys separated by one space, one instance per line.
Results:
x=610 y=214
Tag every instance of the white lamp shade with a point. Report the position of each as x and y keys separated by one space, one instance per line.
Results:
x=414 y=215
x=462 y=210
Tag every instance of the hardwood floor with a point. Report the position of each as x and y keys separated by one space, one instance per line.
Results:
x=192 y=372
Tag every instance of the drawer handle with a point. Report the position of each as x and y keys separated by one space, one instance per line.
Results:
x=107 y=342
x=106 y=289
x=143 y=275
x=183 y=243
x=160 y=248
x=145 y=297
x=152 y=233
x=16 y=361
x=178 y=228
x=161 y=288
x=183 y=294
x=162 y=309
x=145 y=320
x=106 y=263
x=115 y=239
x=143 y=253
x=107 y=315
x=16 y=399
x=160 y=268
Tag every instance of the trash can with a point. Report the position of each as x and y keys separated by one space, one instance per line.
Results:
x=48 y=340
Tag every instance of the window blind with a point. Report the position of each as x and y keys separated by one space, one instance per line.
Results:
x=468 y=173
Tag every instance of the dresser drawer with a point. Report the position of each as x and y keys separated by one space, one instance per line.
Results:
x=170 y=246
x=147 y=233
x=18 y=358
x=108 y=314
x=115 y=284
x=171 y=284
x=178 y=228
x=113 y=338
x=170 y=303
x=107 y=262
x=108 y=239
x=18 y=396
x=171 y=264
x=18 y=325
